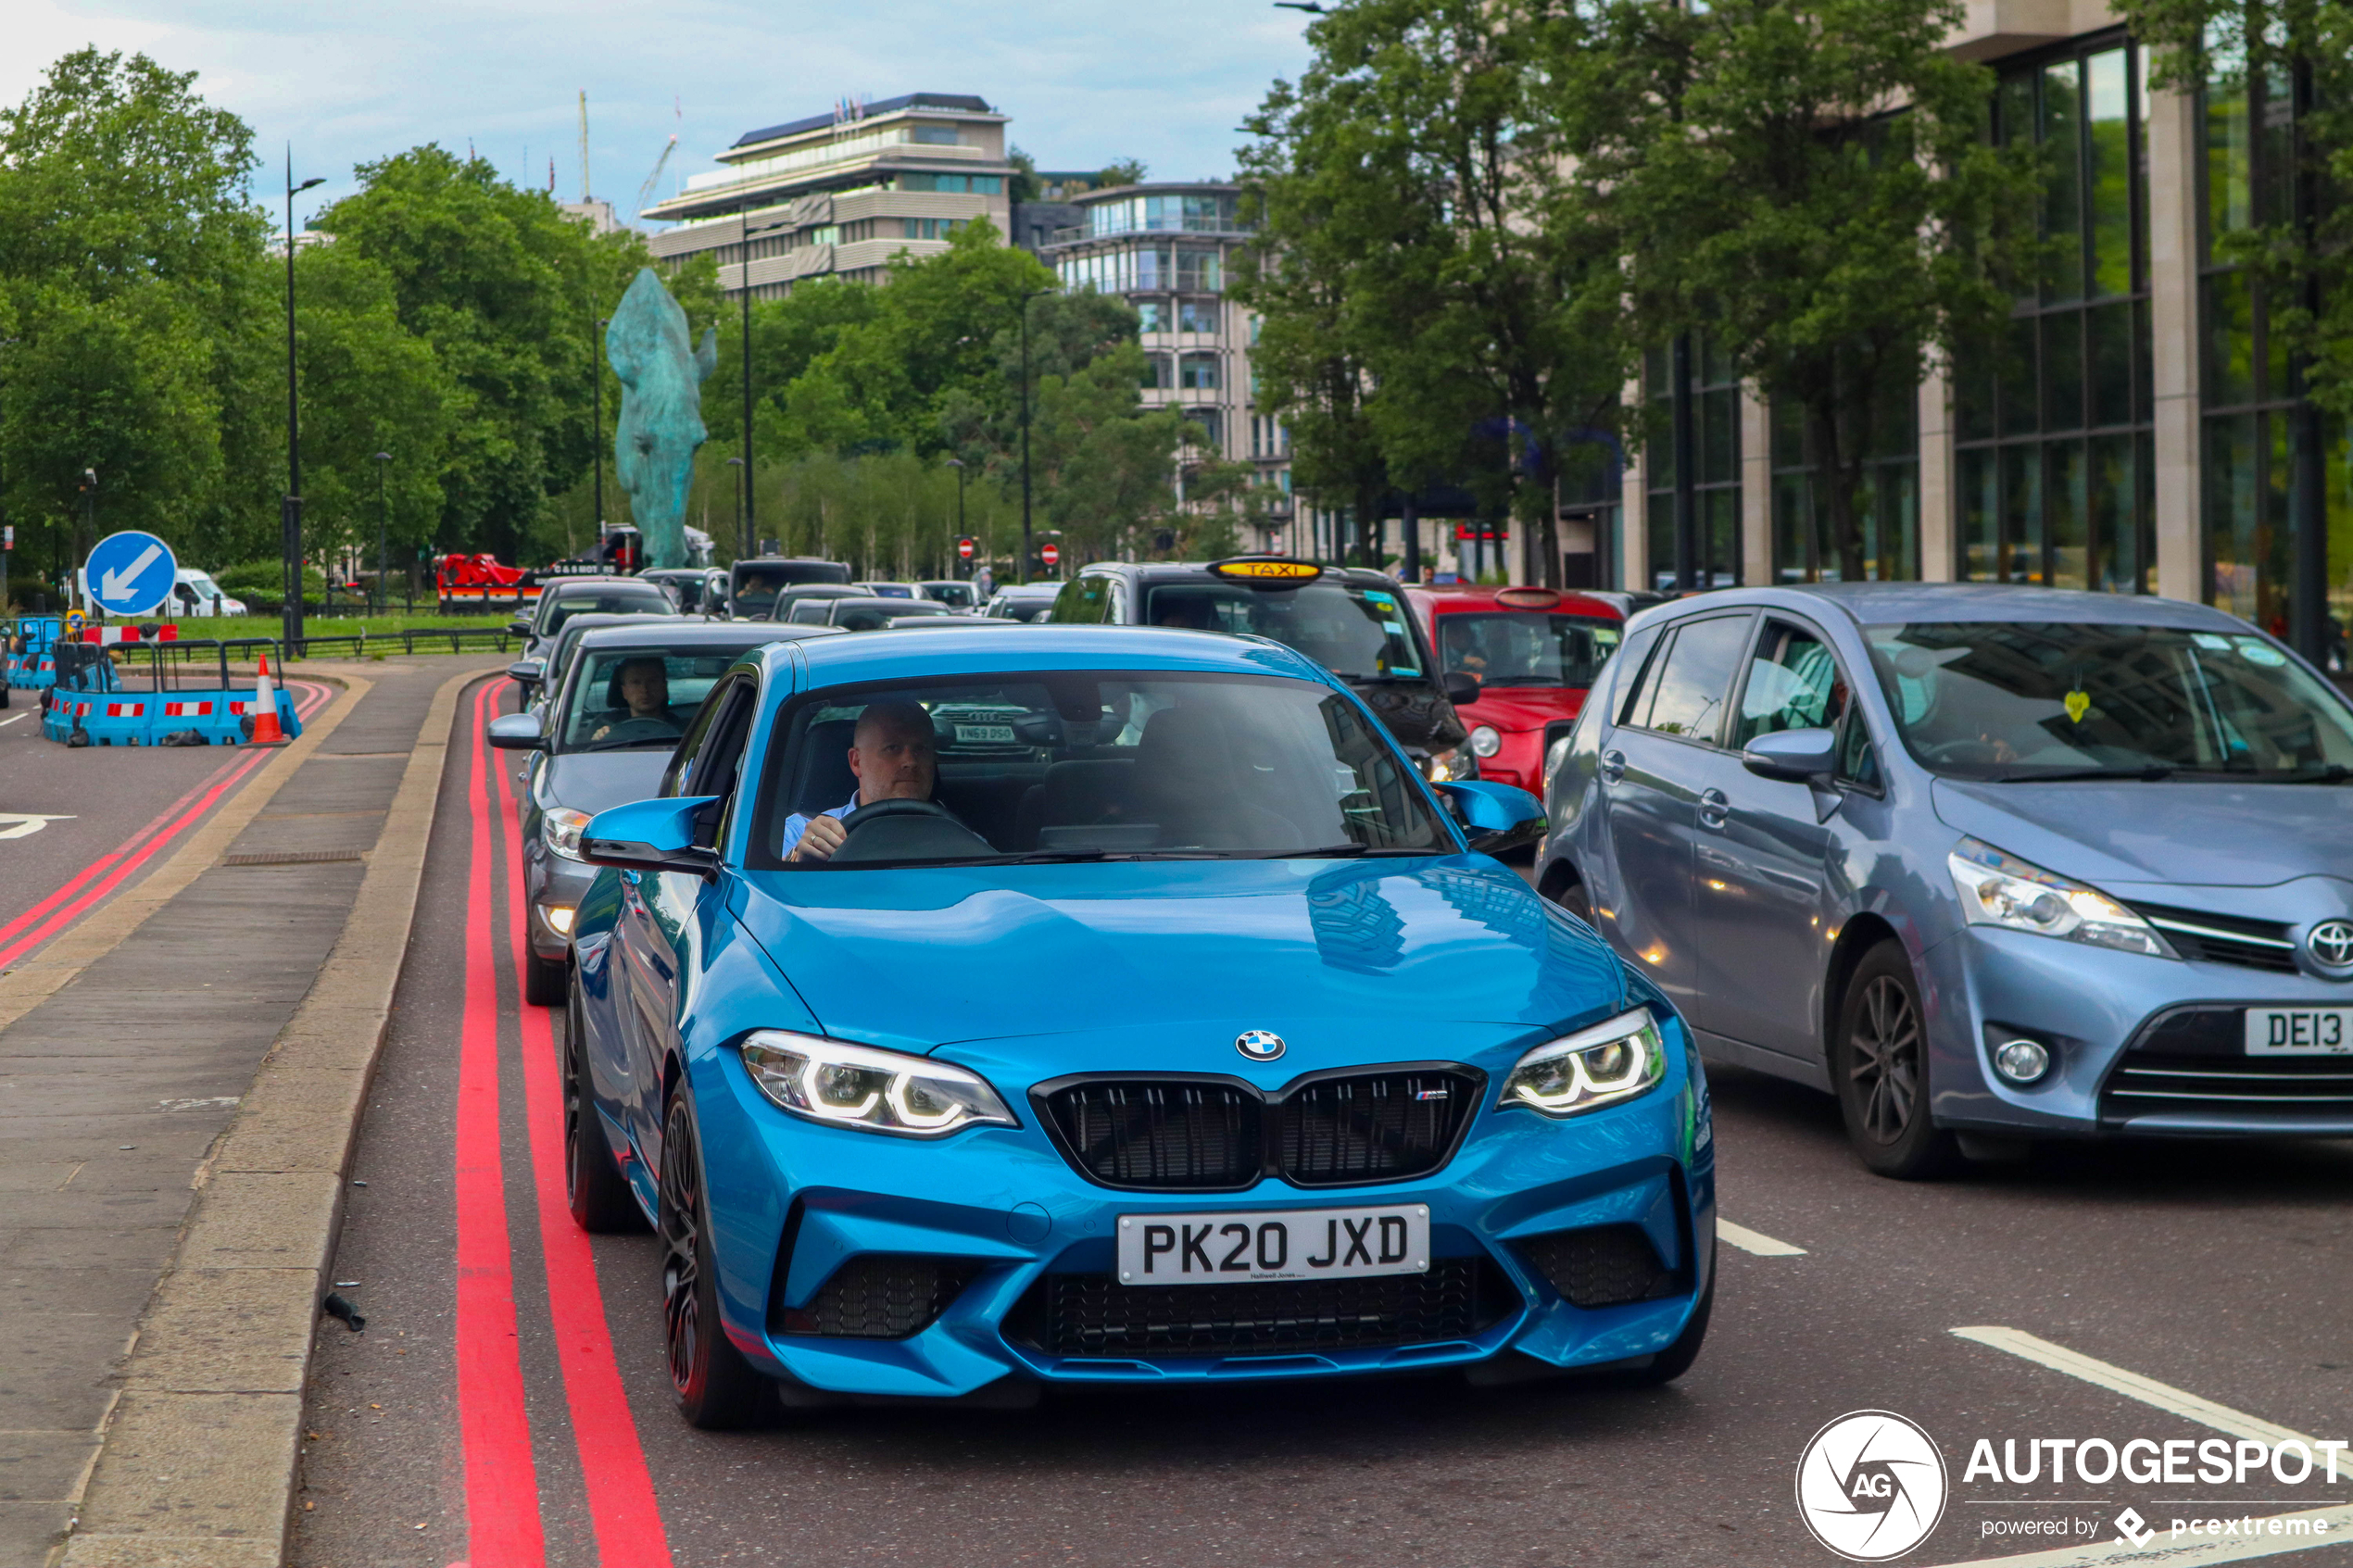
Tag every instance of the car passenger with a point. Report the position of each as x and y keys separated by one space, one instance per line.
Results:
x=643 y=686
x=894 y=757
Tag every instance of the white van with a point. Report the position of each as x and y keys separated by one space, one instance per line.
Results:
x=197 y=593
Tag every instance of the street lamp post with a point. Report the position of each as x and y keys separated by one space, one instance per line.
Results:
x=1026 y=544
x=958 y=464
x=384 y=521
x=290 y=625
x=744 y=532
x=597 y=414
x=743 y=528
x=89 y=535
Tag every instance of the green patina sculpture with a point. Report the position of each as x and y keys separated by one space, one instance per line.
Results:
x=661 y=376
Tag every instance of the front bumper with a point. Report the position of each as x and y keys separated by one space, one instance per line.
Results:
x=2139 y=1045
x=1023 y=1237
x=551 y=882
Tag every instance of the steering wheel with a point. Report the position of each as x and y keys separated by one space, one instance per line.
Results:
x=880 y=809
x=640 y=729
x=891 y=830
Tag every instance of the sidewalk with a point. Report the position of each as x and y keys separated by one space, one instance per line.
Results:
x=114 y=1089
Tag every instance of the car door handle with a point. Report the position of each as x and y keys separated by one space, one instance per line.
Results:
x=1714 y=808
x=1613 y=766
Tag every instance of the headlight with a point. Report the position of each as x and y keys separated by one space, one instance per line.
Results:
x=874 y=1091
x=1998 y=889
x=559 y=830
x=1593 y=1068
x=1455 y=765
x=1484 y=741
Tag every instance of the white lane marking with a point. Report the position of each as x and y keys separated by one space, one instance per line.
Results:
x=2160 y=1553
x=6 y=723
x=2132 y=1384
x=1763 y=1246
x=24 y=824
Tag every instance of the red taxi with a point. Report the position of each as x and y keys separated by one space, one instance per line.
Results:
x=1534 y=653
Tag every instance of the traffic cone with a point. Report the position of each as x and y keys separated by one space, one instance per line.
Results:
x=265 y=709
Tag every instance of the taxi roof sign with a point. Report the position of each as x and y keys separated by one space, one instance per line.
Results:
x=1272 y=570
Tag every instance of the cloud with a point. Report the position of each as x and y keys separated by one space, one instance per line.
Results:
x=1084 y=81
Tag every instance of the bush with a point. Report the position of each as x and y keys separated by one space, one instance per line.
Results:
x=262 y=584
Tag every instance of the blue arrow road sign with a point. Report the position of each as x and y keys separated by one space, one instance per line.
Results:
x=129 y=572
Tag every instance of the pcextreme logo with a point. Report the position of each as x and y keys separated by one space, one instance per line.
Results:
x=1872 y=1486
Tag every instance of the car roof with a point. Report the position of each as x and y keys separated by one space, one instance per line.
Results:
x=972 y=651
x=1465 y=595
x=652 y=630
x=1198 y=571
x=898 y=606
x=564 y=587
x=1895 y=604
x=1027 y=590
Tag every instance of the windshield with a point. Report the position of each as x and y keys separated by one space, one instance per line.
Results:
x=2018 y=702
x=1358 y=633
x=755 y=584
x=201 y=582
x=1524 y=647
x=630 y=698
x=646 y=599
x=1096 y=765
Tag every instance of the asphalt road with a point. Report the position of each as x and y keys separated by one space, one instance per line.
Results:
x=2217 y=1270
x=78 y=826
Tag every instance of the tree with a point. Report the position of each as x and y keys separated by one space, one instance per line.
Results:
x=2301 y=248
x=126 y=277
x=1806 y=184
x=1428 y=277
x=1121 y=172
x=504 y=287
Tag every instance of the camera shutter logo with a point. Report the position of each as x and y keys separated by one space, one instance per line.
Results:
x=1872 y=1486
x=1258 y=1044
x=2330 y=944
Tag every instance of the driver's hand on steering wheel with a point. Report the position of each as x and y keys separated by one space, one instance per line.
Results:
x=819 y=839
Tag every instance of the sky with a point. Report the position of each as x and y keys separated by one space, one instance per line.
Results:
x=1084 y=81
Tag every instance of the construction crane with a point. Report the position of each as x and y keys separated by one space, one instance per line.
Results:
x=646 y=191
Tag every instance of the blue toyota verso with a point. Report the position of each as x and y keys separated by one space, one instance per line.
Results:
x=974 y=1012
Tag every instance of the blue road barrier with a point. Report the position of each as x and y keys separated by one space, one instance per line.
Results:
x=92 y=697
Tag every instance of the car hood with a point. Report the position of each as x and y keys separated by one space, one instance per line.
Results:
x=595 y=781
x=1523 y=707
x=2210 y=834
x=1397 y=959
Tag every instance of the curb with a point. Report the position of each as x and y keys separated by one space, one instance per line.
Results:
x=200 y=1459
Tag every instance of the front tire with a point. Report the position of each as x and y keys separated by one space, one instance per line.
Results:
x=599 y=1194
x=1879 y=1065
x=545 y=981
x=717 y=1390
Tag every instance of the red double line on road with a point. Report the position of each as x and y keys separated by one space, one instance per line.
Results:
x=504 y=1528
x=612 y=1461
x=60 y=908
x=502 y=1484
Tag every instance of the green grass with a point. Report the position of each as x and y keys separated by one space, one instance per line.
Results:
x=316 y=625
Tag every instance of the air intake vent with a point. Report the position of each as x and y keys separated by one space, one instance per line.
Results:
x=1601 y=1266
x=880 y=1296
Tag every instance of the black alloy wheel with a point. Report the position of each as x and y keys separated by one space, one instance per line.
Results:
x=1879 y=1066
x=602 y=1202
x=1572 y=897
x=717 y=1388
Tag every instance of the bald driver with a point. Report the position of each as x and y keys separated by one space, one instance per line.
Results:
x=894 y=756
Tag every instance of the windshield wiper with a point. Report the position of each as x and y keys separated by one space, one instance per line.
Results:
x=640 y=745
x=2148 y=771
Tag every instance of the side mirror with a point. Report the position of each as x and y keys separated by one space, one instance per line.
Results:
x=1793 y=756
x=520 y=626
x=1461 y=689
x=525 y=672
x=515 y=732
x=1495 y=816
x=650 y=835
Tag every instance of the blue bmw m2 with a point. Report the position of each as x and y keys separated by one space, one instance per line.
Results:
x=973 y=1013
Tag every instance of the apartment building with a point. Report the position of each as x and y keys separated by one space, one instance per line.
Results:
x=837 y=195
x=2140 y=436
x=1166 y=248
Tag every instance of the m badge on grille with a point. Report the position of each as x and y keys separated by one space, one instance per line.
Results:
x=1258 y=1044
